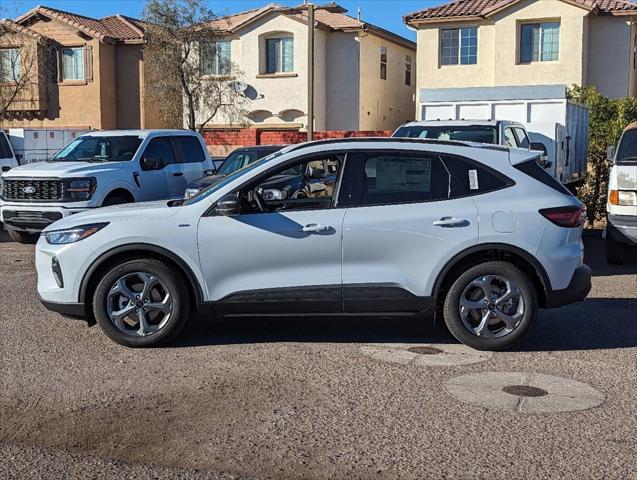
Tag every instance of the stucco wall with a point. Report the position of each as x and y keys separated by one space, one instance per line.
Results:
x=385 y=104
x=128 y=82
x=106 y=77
x=342 y=87
x=609 y=64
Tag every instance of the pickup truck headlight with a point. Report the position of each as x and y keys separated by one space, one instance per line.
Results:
x=81 y=189
x=72 y=235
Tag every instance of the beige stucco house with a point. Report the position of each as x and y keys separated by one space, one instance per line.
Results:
x=365 y=77
x=90 y=71
x=472 y=43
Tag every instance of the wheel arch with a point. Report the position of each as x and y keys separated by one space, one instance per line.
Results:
x=138 y=250
x=494 y=251
x=120 y=192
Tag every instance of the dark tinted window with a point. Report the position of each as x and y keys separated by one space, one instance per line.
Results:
x=477 y=133
x=265 y=151
x=627 y=151
x=5 y=150
x=393 y=178
x=469 y=178
x=532 y=169
x=160 y=148
x=190 y=149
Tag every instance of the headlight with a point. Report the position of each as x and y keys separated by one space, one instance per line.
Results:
x=72 y=235
x=81 y=189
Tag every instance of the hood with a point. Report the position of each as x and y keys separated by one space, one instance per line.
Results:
x=61 y=169
x=129 y=212
x=205 y=182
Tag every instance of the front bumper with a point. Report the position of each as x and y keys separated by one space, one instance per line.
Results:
x=32 y=218
x=68 y=309
x=577 y=290
x=622 y=228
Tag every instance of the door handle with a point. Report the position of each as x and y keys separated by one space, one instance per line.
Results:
x=178 y=174
x=315 y=228
x=451 y=222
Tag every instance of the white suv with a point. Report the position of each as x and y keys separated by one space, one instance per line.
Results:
x=101 y=169
x=375 y=226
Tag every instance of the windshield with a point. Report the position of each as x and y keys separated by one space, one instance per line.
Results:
x=470 y=133
x=627 y=150
x=236 y=161
x=228 y=179
x=99 y=149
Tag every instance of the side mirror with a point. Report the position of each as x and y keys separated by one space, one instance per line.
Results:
x=152 y=163
x=539 y=147
x=228 y=206
x=610 y=152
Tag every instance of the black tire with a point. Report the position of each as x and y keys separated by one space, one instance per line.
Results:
x=24 y=237
x=616 y=252
x=115 y=200
x=173 y=282
x=453 y=318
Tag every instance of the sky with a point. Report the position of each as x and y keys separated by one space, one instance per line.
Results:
x=383 y=13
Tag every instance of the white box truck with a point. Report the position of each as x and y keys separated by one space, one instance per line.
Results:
x=544 y=110
x=40 y=144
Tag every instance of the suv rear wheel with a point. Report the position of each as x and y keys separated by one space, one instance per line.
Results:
x=491 y=306
x=141 y=303
x=24 y=237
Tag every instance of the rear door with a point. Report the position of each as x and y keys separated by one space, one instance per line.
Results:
x=401 y=226
x=191 y=157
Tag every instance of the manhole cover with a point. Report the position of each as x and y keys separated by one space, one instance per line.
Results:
x=425 y=355
x=524 y=391
x=425 y=350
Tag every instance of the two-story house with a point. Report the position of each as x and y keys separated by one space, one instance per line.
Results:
x=90 y=72
x=364 y=75
x=479 y=43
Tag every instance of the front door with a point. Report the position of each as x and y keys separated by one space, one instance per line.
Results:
x=400 y=228
x=283 y=252
x=159 y=184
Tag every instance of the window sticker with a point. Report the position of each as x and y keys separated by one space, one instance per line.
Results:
x=403 y=175
x=473 y=180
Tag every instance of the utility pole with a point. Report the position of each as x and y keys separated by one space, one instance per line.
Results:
x=310 y=72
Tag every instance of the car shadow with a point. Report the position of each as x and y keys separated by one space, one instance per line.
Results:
x=583 y=326
x=595 y=257
x=4 y=236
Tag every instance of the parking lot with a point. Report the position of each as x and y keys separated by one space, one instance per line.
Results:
x=317 y=397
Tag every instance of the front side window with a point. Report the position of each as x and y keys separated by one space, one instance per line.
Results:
x=216 y=58
x=509 y=138
x=408 y=70
x=383 y=63
x=73 y=64
x=9 y=65
x=459 y=46
x=539 y=42
x=279 y=55
x=523 y=139
x=99 y=149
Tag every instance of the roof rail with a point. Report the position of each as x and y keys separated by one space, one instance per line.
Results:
x=421 y=141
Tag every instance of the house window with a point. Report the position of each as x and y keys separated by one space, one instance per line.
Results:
x=383 y=63
x=408 y=70
x=216 y=58
x=459 y=46
x=280 y=55
x=73 y=63
x=539 y=42
x=9 y=65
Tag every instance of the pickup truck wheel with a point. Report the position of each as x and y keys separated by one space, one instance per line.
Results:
x=491 y=306
x=24 y=237
x=141 y=303
x=616 y=252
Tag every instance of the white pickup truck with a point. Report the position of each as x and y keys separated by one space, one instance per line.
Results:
x=101 y=169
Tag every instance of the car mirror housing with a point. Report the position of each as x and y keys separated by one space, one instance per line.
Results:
x=228 y=206
x=610 y=152
x=539 y=147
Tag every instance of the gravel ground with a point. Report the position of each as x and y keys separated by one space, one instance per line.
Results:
x=298 y=398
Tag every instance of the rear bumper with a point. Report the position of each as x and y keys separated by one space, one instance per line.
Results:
x=577 y=290
x=622 y=228
x=69 y=309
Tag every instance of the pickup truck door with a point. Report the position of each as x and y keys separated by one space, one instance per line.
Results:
x=158 y=184
x=192 y=158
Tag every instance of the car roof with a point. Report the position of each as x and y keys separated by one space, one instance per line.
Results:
x=140 y=133
x=459 y=123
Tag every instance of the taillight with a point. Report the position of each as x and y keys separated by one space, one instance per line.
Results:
x=567 y=217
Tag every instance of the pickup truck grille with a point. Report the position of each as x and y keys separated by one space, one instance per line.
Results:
x=33 y=190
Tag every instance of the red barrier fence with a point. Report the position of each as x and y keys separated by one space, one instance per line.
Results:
x=221 y=142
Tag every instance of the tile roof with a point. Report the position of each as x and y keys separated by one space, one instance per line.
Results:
x=16 y=27
x=114 y=28
x=483 y=8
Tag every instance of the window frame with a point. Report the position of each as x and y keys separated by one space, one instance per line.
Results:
x=383 y=62
x=12 y=73
x=216 y=62
x=408 y=70
x=279 y=64
x=459 y=55
x=541 y=26
x=75 y=48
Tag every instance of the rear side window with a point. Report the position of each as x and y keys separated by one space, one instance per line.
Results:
x=5 y=150
x=189 y=148
x=532 y=169
x=395 y=178
x=160 y=148
x=469 y=178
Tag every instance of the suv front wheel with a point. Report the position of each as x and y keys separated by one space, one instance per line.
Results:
x=141 y=303
x=491 y=306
